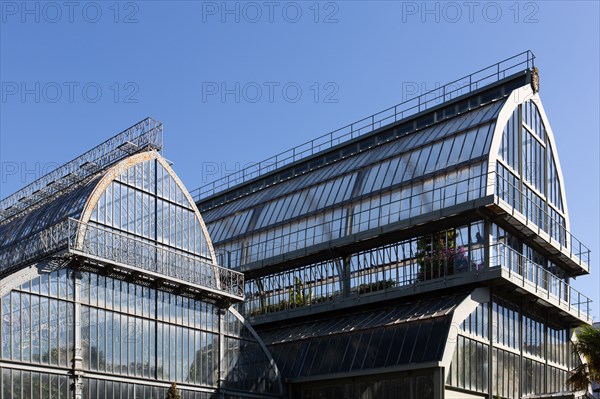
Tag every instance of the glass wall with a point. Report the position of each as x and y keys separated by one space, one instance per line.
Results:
x=37 y=321
x=131 y=329
x=448 y=252
x=23 y=384
x=435 y=168
x=127 y=330
x=134 y=330
x=529 y=356
x=145 y=202
x=247 y=367
x=528 y=178
x=372 y=211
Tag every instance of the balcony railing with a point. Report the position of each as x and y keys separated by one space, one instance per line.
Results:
x=539 y=219
x=464 y=85
x=540 y=280
x=406 y=274
x=112 y=247
x=326 y=226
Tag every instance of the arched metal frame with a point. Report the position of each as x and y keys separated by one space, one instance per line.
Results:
x=58 y=257
x=122 y=167
x=515 y=99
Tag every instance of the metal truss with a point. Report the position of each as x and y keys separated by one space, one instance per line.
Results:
x=144 y=135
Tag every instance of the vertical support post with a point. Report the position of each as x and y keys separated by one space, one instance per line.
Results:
x=486 y=245
x=222 y=361
x=490 y=326
x=521 y=333
x=77 y=351
x=438 y=383
x=545 y=376
x=346 y=276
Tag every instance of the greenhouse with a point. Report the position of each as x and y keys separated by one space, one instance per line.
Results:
x=423 y=252
x=110 y=287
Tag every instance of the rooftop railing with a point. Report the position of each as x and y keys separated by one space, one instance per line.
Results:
x=456 y=88
x=142 y=135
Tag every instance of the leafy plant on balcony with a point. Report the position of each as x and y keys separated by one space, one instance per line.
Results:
x=438 y=256
x=173 y=392
x=298 y=295
x=376 y=286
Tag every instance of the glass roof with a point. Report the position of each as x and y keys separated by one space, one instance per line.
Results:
x=459 y=140
x=69 y=204
x=404 y=334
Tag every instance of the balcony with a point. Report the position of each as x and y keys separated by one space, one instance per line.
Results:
x=535 y=279
x=383 y=281
x=128 y=255
x=346 y=226
x=536 y=223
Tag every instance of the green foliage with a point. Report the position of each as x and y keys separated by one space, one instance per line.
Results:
x=435 y=253
x=173 y=392
x=587 y=346
x=439 y=256
x=377 y=286
x=298 y=296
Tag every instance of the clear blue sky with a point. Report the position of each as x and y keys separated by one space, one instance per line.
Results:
x=75 y=74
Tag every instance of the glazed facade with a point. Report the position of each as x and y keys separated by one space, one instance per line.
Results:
x=123 y=296
x=431 y=258
x=428 y=257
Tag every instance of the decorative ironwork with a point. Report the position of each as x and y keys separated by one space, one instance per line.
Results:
x=138 y=255
x=72 y=237
x=146 y=134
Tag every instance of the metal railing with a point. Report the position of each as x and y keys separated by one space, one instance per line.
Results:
x=543 y=282
x=456 y=88
x=558 y=235
x=283 y=240
x=117 y=248
x=380 y=278
x=142 y=135
x=110 y=246
x=46 y=242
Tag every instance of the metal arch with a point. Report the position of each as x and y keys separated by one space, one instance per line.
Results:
x=260 y=342
x=72 y=237
x=127 y=163
x=121 y=167
x=16 y=279
x=516 y=98
x=109 y=176
x=191 y=202
x=460 y=313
